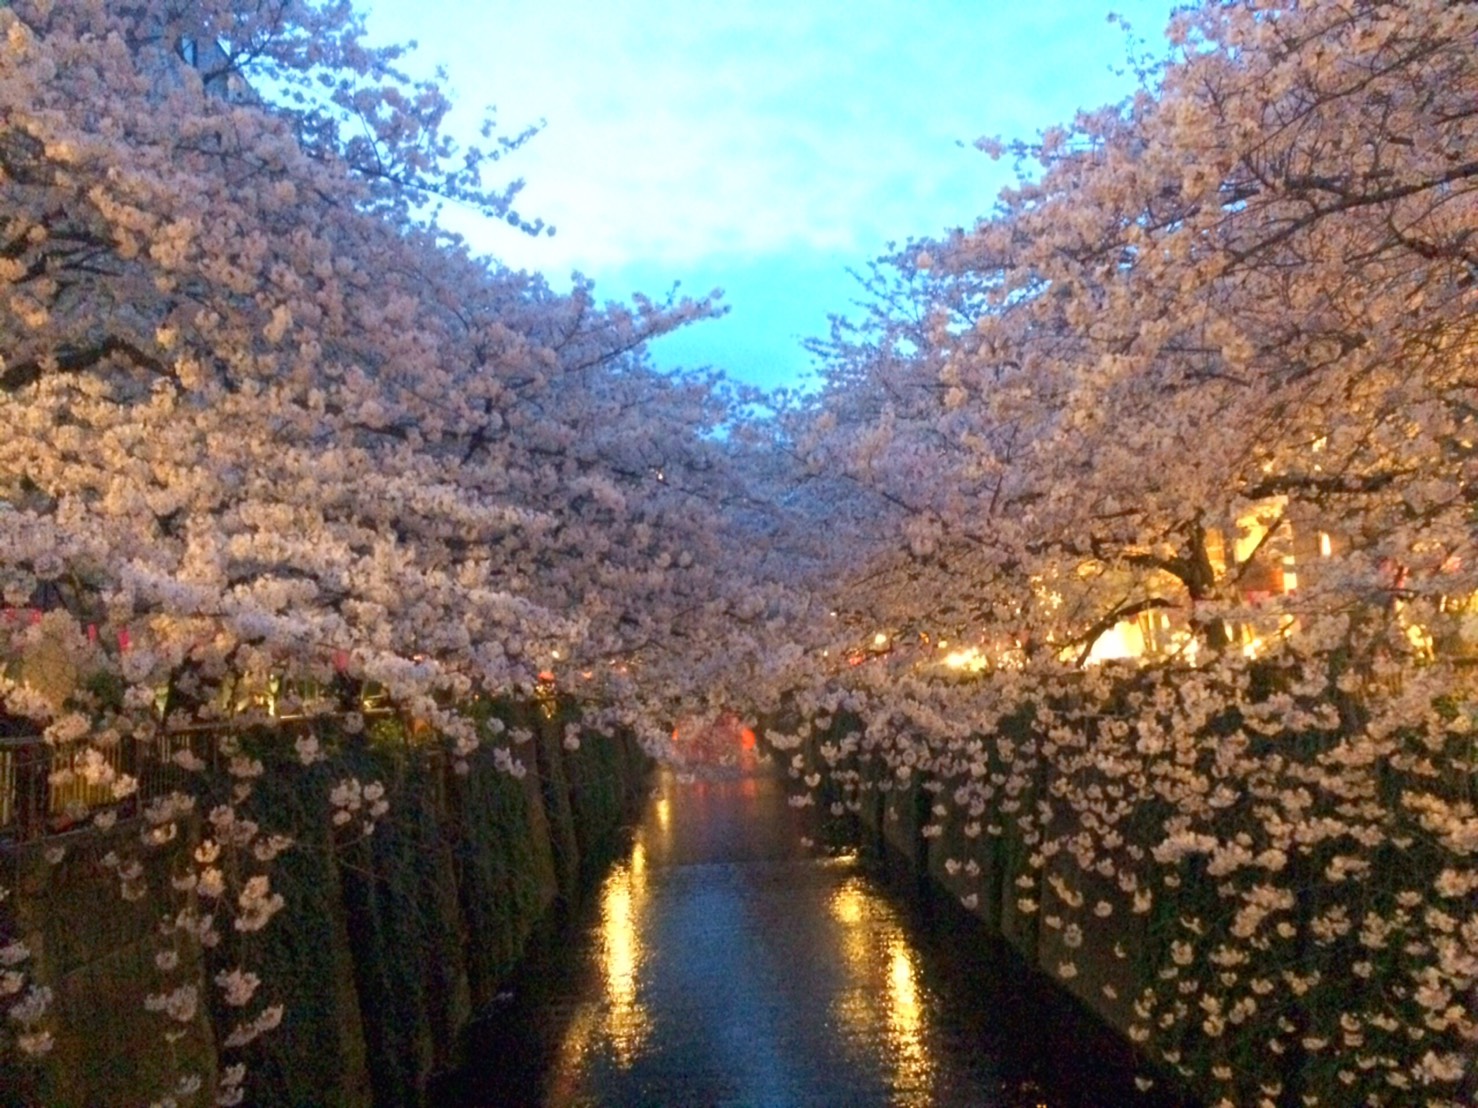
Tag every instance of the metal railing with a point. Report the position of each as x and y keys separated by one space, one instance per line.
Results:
x=45 y=789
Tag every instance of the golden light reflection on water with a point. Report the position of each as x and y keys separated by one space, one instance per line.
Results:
x=846 y=904
x=906 y=1025
x=879 y=959
x=903 y=991
x=621 y=1020
x=627 y=1022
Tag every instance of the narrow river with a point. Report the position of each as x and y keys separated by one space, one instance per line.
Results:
x=721 y=962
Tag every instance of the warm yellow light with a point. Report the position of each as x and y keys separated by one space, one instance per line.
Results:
x=1290 y=575
x=627 y=1024
x=876 y=952
x=1326 y=545
x=1123 y=640
x=618 y=935
x=846 y=905
x=858 y=942
x=906 y=1022
x=902 y=991
x=970 y=659
x=1253 y=527
x=880 y=639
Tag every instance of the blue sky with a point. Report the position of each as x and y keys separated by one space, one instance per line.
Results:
x=758 y=146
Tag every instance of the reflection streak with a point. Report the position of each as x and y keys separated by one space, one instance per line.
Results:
x=625 y=1024
x=881 y=963
x=906 y=1024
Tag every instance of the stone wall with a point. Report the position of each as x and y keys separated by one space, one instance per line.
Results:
x=389 y=945
x=1135 y=938
x=95 y=950
x=990 y=874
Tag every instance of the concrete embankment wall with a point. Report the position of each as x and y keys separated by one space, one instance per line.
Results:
x=387 y=947
x=1235 y=989
x=988 y=869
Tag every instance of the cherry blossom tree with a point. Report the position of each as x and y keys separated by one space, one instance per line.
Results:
x=271 y=439
x=1209 y=360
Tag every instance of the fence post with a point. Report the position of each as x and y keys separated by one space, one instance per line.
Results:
x=32 y=780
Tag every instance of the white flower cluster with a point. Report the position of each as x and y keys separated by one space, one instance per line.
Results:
x=350 y=799
x=504 y=760
x=257 y=904
x=180 y=1004
x=266 y=1020
x=237 y=986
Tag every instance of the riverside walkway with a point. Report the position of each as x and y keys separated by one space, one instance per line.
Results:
x=722 y=962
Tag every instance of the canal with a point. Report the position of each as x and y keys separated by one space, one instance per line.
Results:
x=722 y=962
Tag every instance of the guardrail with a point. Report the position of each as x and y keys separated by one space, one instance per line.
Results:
x=39 y=797
x=43 y=790
x=24 y=785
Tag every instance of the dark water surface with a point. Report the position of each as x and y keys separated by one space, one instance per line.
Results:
x=723 y=963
